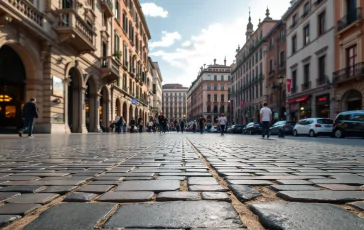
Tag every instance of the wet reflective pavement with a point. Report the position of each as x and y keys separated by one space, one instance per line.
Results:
x=175 y=181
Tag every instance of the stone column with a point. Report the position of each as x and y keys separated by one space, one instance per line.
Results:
x=94 y=112
x=82 y=107
x=67 y=82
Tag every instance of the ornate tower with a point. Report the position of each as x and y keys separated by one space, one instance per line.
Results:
x=249 y=28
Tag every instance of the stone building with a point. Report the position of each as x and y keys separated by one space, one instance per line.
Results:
x=310 y=37
x=174 y=101
x=208 y=94
x=276 y=70
x=76 y=59
x=349 y=60
x=157 y=89
x=249 y=84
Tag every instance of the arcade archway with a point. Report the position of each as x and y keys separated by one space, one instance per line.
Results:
x=125 y=111
x=74 y=101
x=130 y=113
x=117 y=107
x=12 y=89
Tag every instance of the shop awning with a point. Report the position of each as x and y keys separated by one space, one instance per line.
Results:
x=299 y=99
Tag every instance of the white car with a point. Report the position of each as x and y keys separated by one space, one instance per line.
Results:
x=213 y=129
x=313 y=127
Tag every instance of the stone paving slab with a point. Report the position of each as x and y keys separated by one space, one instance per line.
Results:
x=71 y=216
x=178 y=214
x=301 y=216
x=174 y=196
x=322 y=196
x=7 y=195
x=126 y=196
x=36 y=198
x=80 y=197
x=17 y=209
x=359 y=205
x=7 y=219
x=22 y=189
x=157 y=185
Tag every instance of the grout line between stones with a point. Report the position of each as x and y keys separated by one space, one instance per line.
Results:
x=248 y=218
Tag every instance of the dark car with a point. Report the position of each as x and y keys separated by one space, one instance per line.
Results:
x=236 y=128
x=253 y=128
x=349 y=124
x=286 y=126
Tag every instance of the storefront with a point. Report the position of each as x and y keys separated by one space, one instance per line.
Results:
x=300 y=108
x=323 y=106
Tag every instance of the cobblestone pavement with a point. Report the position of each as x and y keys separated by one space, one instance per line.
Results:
x=175 y=181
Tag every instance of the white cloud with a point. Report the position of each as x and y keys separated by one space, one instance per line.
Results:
x=152 y=10
x=167 y=40
x=216 y=41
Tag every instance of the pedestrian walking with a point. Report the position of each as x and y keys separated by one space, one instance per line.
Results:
x=124 y=126
x=202 y=123
x=182 y=125
x=222 y=123
x=132 y=125
x=140 y=125
x=150 y=126
x=194 y=127
x=265 y=119
x=161 y=122
x=30 y=112
x=118 y=124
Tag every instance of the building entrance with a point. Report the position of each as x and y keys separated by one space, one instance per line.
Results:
x=12 y=90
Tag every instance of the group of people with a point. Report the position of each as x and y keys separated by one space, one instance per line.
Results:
x=30 y=112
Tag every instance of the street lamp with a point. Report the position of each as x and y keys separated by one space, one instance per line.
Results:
x=232 y=111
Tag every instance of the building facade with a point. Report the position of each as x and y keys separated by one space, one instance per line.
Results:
x=68 y=55
x=174 y=102
x=276 y=70
x=208 y=94
x=157 y=89
x=249 y=84
x=132 y=91
x=310 y=59
x=349 y=42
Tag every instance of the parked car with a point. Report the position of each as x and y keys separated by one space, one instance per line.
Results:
x=252 y=128
x=214 y=129
x=350 y=123
x=313 y=127
x=286 y=126
x=235 y=129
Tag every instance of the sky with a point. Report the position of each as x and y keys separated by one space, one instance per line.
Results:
x=186 y=34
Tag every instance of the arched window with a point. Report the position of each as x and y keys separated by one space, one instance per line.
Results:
x=222 y=109
x=215 y=109
x=209 y=108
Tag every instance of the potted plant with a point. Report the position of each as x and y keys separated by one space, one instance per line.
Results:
x=117 y=54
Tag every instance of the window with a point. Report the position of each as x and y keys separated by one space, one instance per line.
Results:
x=270 y=65
x=222 y=87
x=208 y=87
x=321 y=64
x=306 y=73
x=208 y=77
x=294 y=20
x=306 y=35
x=215 y=78
x=281 y=59
x=322 y=23
x=222 y=98
x=125 y=23
x=306 y=9
x=294 y=44
x=117 y=44
x=208 y=98
x=351 y=59
x=215 y=86
x=222 y=78
x=271 y=44
x=294 y=80
x=229 y=78
x=117 y=8
x=282 y=35
x=215 y=98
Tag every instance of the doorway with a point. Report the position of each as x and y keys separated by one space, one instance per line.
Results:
x=12 y=90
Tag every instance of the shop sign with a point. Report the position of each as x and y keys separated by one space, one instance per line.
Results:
x=58 y=87
x=322 y=99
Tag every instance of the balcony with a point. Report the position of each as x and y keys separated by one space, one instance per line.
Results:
x=107 y=7
x=321 y=81
x=349 y=73
x=22 y=11
x=306 y=86
x=349 y=19
x=109 y=69
x=73 y=30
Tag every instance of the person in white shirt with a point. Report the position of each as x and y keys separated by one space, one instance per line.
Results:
x=222 y=123
x=265 y=119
